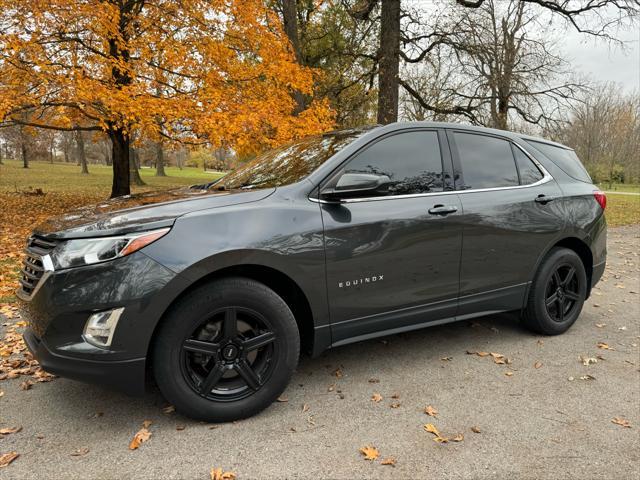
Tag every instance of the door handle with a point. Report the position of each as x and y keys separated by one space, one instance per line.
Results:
x=543 y=199
x=442 y=209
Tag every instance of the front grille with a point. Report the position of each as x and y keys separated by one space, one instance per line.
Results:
x=34 y=267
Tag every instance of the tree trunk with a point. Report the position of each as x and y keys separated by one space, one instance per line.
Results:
x=134 y=173
x=389 y=62
x=23 y=150
x=180 y=158
x=82 y=157
x=51 y=148
x=120 y=162
x=1 y=162
x=290 y=21
x=160 y=160
x=107 y=154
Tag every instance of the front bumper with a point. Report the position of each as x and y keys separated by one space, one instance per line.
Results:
x=57 y=313
x=124 y=375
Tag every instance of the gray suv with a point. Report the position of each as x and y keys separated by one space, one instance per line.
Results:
x=337 y=238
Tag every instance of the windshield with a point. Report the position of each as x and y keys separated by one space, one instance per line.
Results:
x=288 y=164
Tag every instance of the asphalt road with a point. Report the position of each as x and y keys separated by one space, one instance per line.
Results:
x=544 y=422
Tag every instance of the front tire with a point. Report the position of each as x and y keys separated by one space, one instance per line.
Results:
x=226 y=350
x=557 y=293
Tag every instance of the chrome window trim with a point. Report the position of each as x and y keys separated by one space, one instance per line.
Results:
x=546 y=177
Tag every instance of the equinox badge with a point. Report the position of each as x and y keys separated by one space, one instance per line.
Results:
x=360 y=281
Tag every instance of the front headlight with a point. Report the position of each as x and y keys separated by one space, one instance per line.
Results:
x=86 y=251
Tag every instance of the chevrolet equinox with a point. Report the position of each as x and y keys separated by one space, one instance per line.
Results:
x=333 y=239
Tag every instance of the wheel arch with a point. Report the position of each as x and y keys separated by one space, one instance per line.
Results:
x=585 y=254
x=279 y=282
x=580 y=247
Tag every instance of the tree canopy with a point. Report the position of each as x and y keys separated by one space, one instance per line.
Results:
x=204 y=70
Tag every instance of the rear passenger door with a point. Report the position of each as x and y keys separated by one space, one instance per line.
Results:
x=509 y=216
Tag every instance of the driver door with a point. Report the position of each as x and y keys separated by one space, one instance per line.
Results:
x=393 y=255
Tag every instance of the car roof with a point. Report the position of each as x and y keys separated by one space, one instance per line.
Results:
x=454 y=126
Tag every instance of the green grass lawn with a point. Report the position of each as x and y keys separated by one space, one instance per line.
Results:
x=622 y=209
x=61 y=177
x=620 y=187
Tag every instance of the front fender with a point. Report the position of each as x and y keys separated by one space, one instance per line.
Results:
x=277 y=233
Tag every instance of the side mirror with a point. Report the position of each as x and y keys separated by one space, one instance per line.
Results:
x=356 y=185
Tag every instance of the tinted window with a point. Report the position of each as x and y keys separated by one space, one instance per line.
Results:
x=564 y=158
x=411 y=160
x=288 y=164
x=486 y=161
x=529 y=173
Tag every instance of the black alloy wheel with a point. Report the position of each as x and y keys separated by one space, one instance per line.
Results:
x=557 y=293
x=226 y=350
x=230 y=355
x=562 y=293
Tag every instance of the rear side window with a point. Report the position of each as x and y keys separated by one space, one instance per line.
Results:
x=564 y=158
x=411 y=160
x=529 y=172
x=486 y=162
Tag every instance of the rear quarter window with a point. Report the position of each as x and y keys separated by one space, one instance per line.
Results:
x=565 y=159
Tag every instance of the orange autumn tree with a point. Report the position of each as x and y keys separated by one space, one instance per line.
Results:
x=214 y=71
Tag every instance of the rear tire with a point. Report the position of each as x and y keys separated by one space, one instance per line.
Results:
x=226 y=350
x=557 y=293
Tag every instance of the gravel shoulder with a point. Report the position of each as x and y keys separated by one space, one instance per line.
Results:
x=540 y=416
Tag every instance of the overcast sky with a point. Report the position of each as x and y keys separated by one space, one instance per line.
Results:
x=592 y=57
x=604 y=62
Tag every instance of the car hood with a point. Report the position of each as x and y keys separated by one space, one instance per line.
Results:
x=142 y=211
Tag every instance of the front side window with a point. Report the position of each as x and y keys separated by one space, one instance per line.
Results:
x=529 y=172
x=411 y=160
x=487 y=162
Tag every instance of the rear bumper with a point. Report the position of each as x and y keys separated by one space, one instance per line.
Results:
x=596 y=275
x=124 y=375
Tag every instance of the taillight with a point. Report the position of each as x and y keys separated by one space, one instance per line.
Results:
x=601 y=198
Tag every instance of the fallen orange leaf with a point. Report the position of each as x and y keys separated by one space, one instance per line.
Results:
x=7 y=458
x=621 y=421
x=81 y=452
x=139 y=438
x=376 y=397
x=218 y=474
x=369 y=452
x=431 y=428
x=9 y=431
x=389 y=461
x=431 y=411
x=480 y=354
